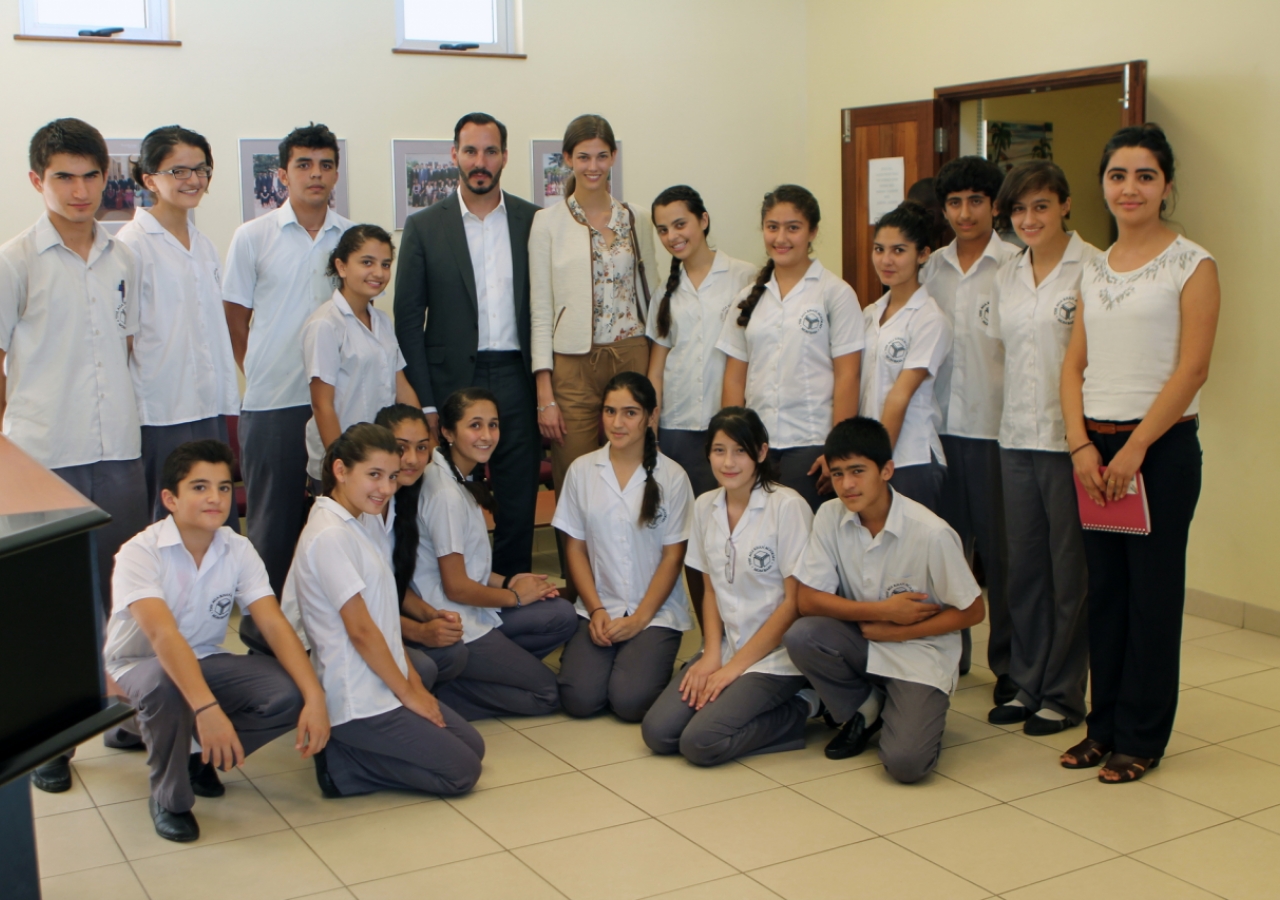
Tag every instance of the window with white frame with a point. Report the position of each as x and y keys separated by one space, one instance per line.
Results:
x=481 y=26
x=140 y=19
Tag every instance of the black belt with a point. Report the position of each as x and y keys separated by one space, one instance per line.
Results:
x=494 y=357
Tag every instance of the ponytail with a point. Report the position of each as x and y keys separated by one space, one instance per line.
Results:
x=664 y=306
x=748 y=306
x=450 y=415
x=652 y=491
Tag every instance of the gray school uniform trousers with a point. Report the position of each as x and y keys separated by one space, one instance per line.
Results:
x=689 y=449
x=833 y=655
x=757 y=713
x=973 y=505
x=793 y=471
x=627 y=677
x=922 y=483
x=504 y=674
x=158 y=441
x=120 y=489
x=255 y=692
x=273 y=461
x=1048 y=582
x=436 y=665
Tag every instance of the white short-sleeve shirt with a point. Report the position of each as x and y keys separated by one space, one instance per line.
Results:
x=970 y=386
x=63 y=327
x=451 y=521
x=624 y=554
x=335 y=560
x=155 y=563
x=748 y=565
x=278 y=271
x=361 y=364
x=1133 y=321
x=1034 y=324
x=788 y=346
x=917 y=337
x=182 y=365
x=916 y=551
x=694 y=374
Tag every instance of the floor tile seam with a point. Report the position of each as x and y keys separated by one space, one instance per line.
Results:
x=351 y=884
x=1210 y=688
x=996 y=801
x=1221 y=812
x=425 y=798
x=137 y=877
x=497 y=787
x=775 y=786
x=912 y=852
x=1197 y=643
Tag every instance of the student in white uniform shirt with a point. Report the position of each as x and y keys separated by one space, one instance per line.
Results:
x=908 y=339
x=741 y=694
x=184 y=373
x=795 y=348
x=276 y=275
x=624 y=512
x=509 y=622
x=349 y=348
x=68 y=315
x=961 y=279
x=434 y=633
x=884 y=589
x=389 y=732
x=174 y=587
x=1037 y=295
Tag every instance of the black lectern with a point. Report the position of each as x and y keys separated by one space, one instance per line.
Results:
x=50 y=644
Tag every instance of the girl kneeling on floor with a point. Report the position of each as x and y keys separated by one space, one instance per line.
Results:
x=739 y=695
x=624 y=512
x=388 y=731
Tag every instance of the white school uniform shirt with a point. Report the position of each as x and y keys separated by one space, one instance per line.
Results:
x=970 y=386
x=155 y=563
x=788 y=346
x=1133 y=321
x=489 y=243
x=748 y=565
x=63 y=325
x=916 y=551
x=693 y=377
x=451 y=521
x=361 y=364
x=1034 y=324
x=182 y=365
x=278 y=271
x=917 y=337
x=335 y=560
x=624 y=554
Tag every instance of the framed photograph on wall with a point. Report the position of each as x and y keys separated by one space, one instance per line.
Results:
x=423 y=174
x=122 y=195
x=550 y=171
x=261 y=190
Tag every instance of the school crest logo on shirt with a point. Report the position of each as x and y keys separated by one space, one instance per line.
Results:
x=761 y=559
x=1065 y=309
x=898 y=587
x=896 y=350
x=220 y=606
x=724 y=311
x=122 y=317
x=984 y=312
x=811 y=321
x=658 y=517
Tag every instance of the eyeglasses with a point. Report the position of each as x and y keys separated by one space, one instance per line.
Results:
x=730 y=560
x=182 y=173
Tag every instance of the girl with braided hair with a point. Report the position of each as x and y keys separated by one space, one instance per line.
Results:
x=795 y=346
x=624 y=513
x=509 y=623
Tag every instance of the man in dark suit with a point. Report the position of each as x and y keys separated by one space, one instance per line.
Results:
x=464 y=267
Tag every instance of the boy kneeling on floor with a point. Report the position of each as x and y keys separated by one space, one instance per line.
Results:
x=173 y=589
x=884 y=591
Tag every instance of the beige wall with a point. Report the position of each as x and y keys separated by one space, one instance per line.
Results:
x=1209 y=76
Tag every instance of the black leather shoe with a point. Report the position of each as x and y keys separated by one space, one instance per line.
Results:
x=1007 y=714
x=1004 y=691
x=119 y=739
x=53 y=777
x=204 y=778
x=324 y=779
x=852 y=738
x=179 y=827
x=1038 y=726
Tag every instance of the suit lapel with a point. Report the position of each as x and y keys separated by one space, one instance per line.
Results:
x=518 y=227
x=456 y=234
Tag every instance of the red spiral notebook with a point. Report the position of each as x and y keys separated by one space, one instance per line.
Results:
x=1129 y=515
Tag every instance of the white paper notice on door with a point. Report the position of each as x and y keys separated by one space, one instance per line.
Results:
x=886 y=186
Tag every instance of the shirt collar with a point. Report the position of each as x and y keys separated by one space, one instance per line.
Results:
x=147 y=222
x=1073 y=254
x=952 y=255
x=47 y=236
x=169 y=536
x=915 y=301
x=893 y=523
x=343 y=306
x=758 y=500
x=501 y=207
x=288 y=216
x=335 y=507
x=813 y=273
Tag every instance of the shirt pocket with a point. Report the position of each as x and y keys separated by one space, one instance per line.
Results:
x=911 y=583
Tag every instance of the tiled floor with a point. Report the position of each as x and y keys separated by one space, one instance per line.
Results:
x=582 y=810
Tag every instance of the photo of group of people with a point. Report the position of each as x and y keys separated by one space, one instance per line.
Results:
x=268 y=191
x=554 y=172
x=429 y=179
x=262 y=191
x=122 y=195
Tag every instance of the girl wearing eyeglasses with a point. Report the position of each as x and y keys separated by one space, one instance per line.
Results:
x=184 y=375
x=741 y=694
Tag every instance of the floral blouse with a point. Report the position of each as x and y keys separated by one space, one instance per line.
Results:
x=613 y=277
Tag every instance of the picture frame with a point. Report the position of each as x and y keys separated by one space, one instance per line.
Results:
x=434 y=176
x=260 y=188
x=549 y=171
x=122 y=196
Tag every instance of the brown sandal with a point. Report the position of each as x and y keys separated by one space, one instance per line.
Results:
x=1088 y=753
x=1129 y=768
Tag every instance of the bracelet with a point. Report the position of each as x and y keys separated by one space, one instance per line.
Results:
x=203 y=708
x=506 y=583
x=599 y=609
x=517 y=596
x=1081 y=447
x=548 y=406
